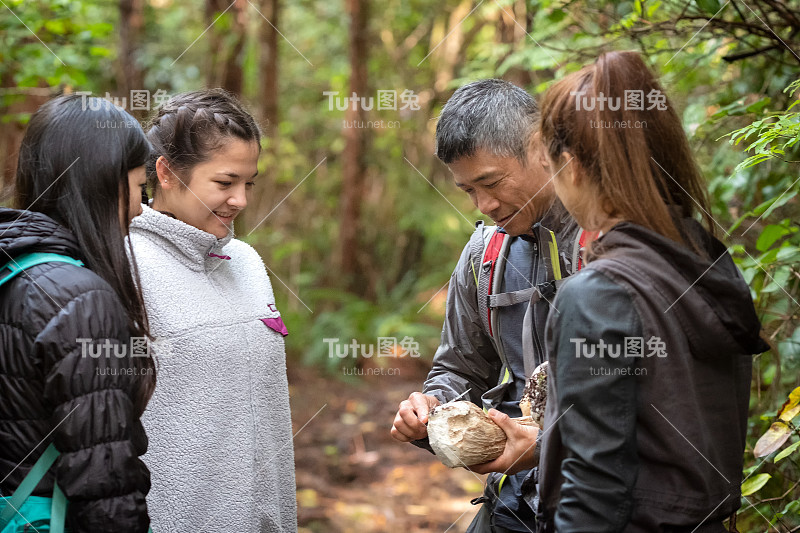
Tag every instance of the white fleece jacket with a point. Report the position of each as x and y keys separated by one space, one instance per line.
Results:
x=220 y=453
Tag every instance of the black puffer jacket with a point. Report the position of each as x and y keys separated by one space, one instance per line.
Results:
x=51 y=392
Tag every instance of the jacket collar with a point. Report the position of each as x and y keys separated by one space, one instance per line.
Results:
x=192 y=246
x=555 y=219
x=23 y=232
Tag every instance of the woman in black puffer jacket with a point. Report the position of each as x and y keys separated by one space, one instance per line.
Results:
x=66 y=372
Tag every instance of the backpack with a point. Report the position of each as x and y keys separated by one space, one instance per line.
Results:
x=489 y=257
x=26 y=261
x=41 y=514
x=47 y=513
x=489 y=253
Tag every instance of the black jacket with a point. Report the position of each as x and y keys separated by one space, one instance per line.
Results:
x=650 y=443
x=50 y=391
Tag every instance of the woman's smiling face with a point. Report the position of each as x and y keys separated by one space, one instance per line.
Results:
x=216 y=190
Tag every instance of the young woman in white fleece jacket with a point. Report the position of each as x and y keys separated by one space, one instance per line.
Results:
x=221 y=452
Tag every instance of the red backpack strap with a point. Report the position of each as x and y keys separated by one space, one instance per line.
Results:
x=486 y=277
x=584 y=238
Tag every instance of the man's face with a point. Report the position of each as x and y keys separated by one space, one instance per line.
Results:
x=513 y=195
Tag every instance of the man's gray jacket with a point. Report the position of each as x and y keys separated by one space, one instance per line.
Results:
x=468 y=359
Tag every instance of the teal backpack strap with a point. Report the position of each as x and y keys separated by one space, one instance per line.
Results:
x=43 y=464
x=58 y=507
x=58 y=510
x=25 y=261
x=30 y=482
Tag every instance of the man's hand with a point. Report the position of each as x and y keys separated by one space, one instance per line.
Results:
x=410 y=420
x=519 y=450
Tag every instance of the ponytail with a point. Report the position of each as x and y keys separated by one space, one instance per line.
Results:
x=615 y=119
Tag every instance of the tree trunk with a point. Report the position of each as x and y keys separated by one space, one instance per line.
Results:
x=511 y=31
x=9 y=142
x=131 y=23
x=264 y=197
x=268 y=67
x=225 y=58
x=353 y=165
x=12 y=132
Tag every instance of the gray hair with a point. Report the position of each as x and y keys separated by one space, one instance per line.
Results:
x=493 y=115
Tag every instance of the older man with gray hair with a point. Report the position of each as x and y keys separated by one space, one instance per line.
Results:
x=487 y=137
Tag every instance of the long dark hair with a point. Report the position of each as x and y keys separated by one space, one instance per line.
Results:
x=645 y=173
x=73 y=167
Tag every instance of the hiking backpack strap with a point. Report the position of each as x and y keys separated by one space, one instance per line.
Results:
x=492 y=261
x=488 y=257
x=26 y=487
x=476 y=252
x=25 y=261
x=533 y=294
x=582 y=239
x=551 y=257
x=37 y=472
x=58 y=508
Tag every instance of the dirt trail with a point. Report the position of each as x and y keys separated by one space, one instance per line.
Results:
x=352 y=476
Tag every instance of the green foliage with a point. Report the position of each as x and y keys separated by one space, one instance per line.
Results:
x=754 y=484
x=789 y=450
x=775 y=135
x=773 y=278
x=410 y=236
x=52 y=43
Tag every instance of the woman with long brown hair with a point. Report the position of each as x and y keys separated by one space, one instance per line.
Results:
x=650 y=350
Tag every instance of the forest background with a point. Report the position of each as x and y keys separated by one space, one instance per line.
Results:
x=360 y=225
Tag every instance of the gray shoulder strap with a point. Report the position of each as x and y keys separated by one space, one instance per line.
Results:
x=544 y=290
x=576 y=251
x=528 y=353
x=484 y=275
x=476 y=253
x=510 y=298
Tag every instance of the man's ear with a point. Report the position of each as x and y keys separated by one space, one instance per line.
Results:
x=166 y=178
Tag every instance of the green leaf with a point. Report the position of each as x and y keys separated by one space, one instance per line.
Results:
x=58 y=27
x=793 y=507
x=736 y=108
x=787 y=452
x=769 y=235
x=99 y=51
x=557 y=15
x=754 y=484
x=709 y=6
x=756 y=107
x=770 y=205
x=789 y=253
